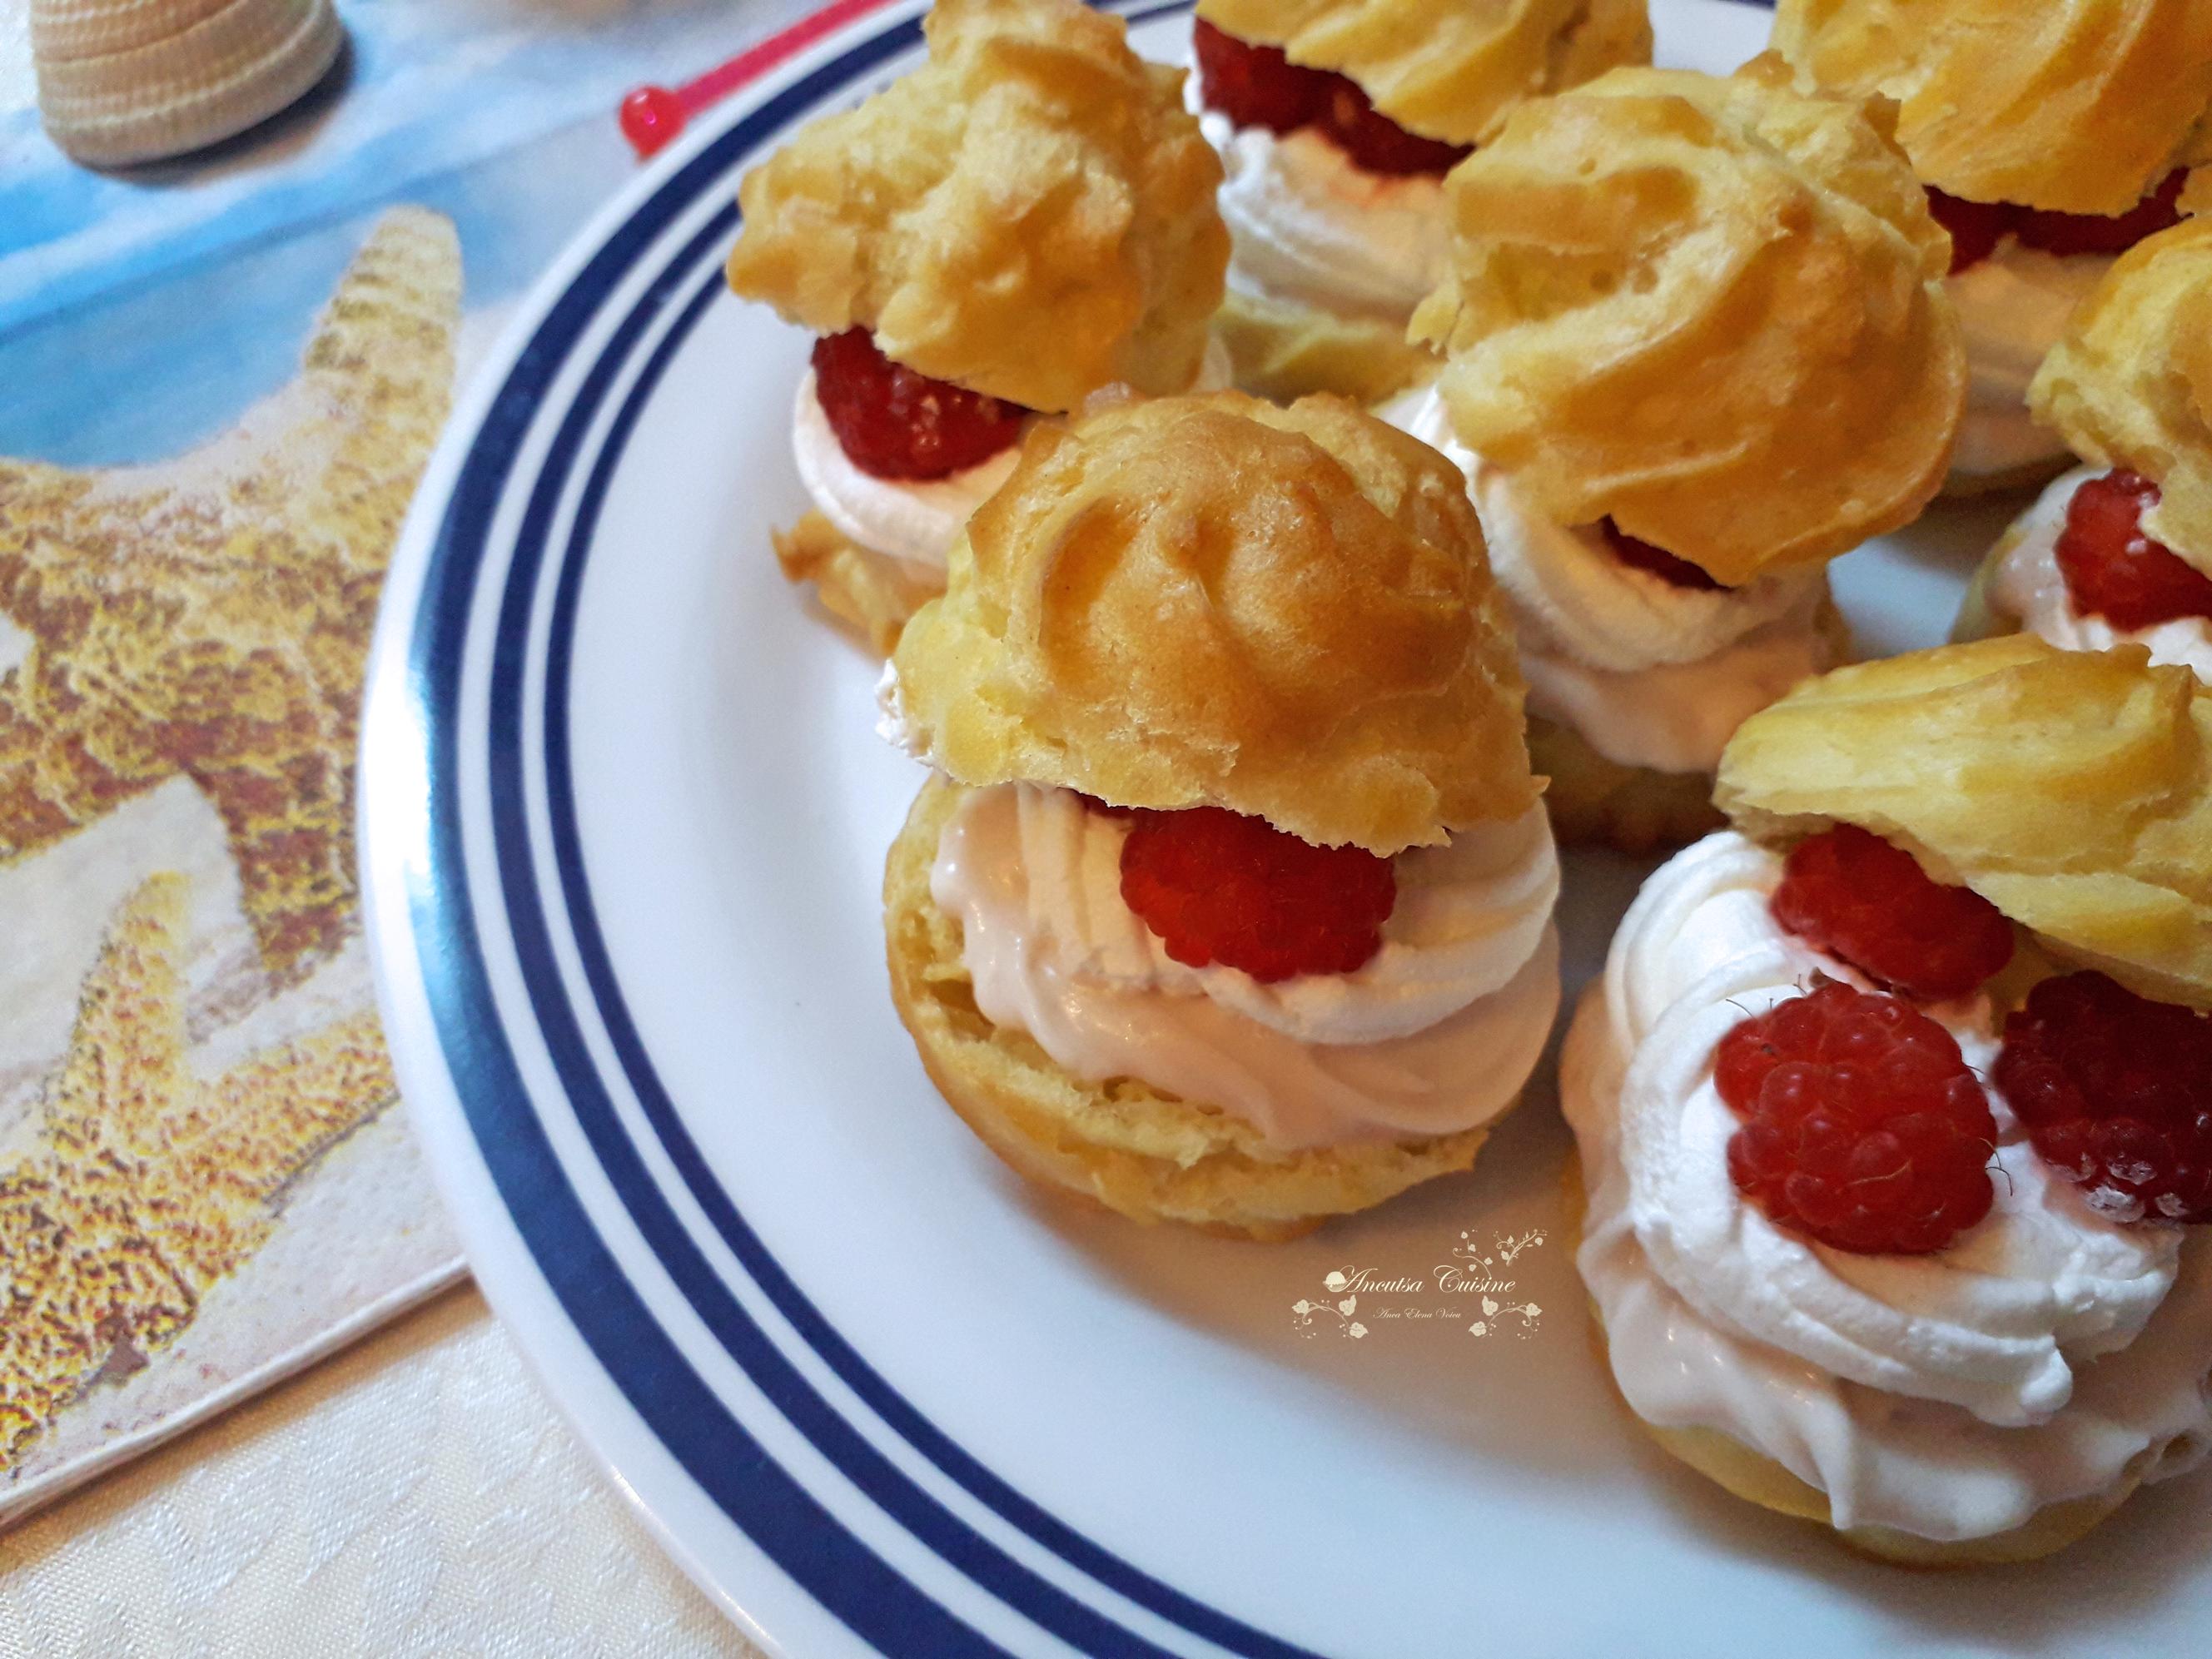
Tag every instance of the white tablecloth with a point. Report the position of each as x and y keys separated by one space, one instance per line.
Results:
x=415 y=1495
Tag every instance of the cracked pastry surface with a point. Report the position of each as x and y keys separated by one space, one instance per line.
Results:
x=2076 y=106
x=1712 y=309
x=2130 y=383
x=2072 y=789
x=1028 y=214
x=1210 y=601
x=1447 y=71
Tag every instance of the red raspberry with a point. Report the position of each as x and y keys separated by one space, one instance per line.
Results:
x=1680 y=573
x=1976 y=228
x=1378 y=144
x=1254 y=86
x=2115 y=1092
x=1216 y=886
x=894 y=423
x=1257 y=86
x=1869 y=903
x=2095 y=233
x=2115 y=571
x=1863 y=1126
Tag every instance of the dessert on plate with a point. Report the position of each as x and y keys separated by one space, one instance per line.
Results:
x=1697 y=346
x=1894 y=1105
x=2120 y=549
x=1229 y=901
x=2052 y=138
x=1027 y=218
x=1336 y=121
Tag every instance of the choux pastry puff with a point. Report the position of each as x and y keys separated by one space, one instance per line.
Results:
x=2119 y=549
x=1229 y=902
x=1894 y=1105
x=2051 y=138
x=1336 y=121
x=1025 y=219
x=1697 y=346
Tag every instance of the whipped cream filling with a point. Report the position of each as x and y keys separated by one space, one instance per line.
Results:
x=2050 y=1354
x=891 y=724
x=1435 y=1035
x=1649 y=674
x=915 y=521
x=1307 y=224
x=2012 y=308
x=2028 y=587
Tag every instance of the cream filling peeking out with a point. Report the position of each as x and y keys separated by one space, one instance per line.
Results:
x=1949 y=1396
x=1309 y=224
x=1434 y=1035
x=2028 y=588
x=915 y=522
x=1649 y=674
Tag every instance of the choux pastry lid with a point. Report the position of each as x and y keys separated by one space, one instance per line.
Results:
x=2074 y=105
x=1448 y=69
x=2129 y=382
x=1214 y=601
x=1709 y=307
x=2072 y=789
x=1030 y=214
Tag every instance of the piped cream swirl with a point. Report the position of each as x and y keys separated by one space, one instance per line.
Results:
x=1950 y=1395
x=913 y=519
x=1435 y=1035
x=2028 y=587
x=1469 y=916
x=1650 y=673
x=1306 y=222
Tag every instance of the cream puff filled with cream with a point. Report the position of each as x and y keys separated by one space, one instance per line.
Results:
x=1336 y=124
x=1893 y=1101
x=1027 y=218
x=2051 y=138
x=1697 y=346
x=1229 y=901
x=2119 y=549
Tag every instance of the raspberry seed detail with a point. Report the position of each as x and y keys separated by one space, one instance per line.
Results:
x=1216 y=886
x=1864 y=1127
x=2115 y=1092
x=2112 y=569
x=1851 y=894
x=894 y=423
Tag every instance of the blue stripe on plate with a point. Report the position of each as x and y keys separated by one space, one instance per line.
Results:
x=644 y=1363
x=660 y=1111
x=586 y=1094
x=758 y=1494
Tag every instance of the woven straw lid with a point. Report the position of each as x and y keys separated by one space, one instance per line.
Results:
x=124 y=80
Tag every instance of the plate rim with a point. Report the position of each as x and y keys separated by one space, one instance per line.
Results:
x=422 y=929
x=420 y=919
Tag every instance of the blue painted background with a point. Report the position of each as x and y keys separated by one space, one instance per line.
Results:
x=143 y=312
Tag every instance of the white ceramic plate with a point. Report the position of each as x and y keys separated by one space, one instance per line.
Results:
x=625 y=823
